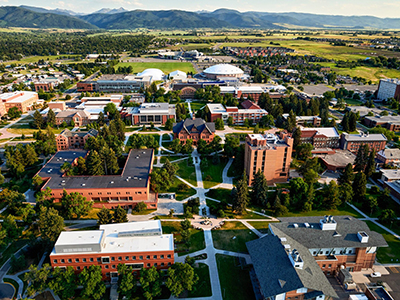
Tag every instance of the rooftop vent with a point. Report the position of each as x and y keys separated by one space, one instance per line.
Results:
x=111 y=182
x=307 y=225
x=296 y=259
x=83 y=184
x=363 y=236
x=328 y=223
x=296 y=225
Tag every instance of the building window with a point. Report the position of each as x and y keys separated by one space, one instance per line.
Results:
x=155 y=256
x=329 y=266
x=91 y=259
x=148 y=265
x=120 y=258
x=169 y=263
x=78 y=268
x=106 y=260
x=126 y=257
x=161 y=256
x=106 y=267
x=141 y=257
x=148 y=257
x=315 y=253
x=70 y=260
x=133 y=257
x=113 y=266
x=55 y=261
x=83 y=259
x=162 y=264
x=76 y=259
x=169 y=256
x=323 y=266
x=98 y=259
x=155 y=264
x=112 y=258
x=326 y=252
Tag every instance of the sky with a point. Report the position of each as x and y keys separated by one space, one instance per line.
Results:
x=379 y=8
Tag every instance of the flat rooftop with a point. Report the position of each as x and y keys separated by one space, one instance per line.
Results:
x=20 y=96
x=371 y=137
x=391 y=173
x=134 y=175
x=330 y=132
x=340 y=159
x=143 y=236
x=216 y=108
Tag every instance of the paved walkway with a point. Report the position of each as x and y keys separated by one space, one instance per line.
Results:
x=227 y=182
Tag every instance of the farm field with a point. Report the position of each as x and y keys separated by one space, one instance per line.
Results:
x=166 y=67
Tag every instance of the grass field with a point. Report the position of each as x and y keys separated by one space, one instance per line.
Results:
x=389 y=254
x=232 y=236
x=212 y=174
x=166 y=67
x=179 y=194
x=261 y=226
x=235 y=281
x=188 y=173
x=197 y=241
x=203 y=286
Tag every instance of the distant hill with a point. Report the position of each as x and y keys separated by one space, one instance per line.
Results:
x=12 y=16
x=120 y=18
x=177 y=19
x=110 y=11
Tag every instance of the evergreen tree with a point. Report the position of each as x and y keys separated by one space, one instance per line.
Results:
x=331 y=195
x=242 y=197
x=101 y=119
x=109 y=159
x=120 y=215
x=280 y=210
x=51 y=118
x=347 y=176
x=362 y=158
x=296 y=137
x=352 y=122
x=370 y=168
x=259 y=194
x=346 y=192
x=309 y=199
x=94 y=165
x=291 y=121
x=359 y=186
x=37 y=119
x=345 y=123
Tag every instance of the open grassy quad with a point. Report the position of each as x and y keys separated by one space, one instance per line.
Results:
x=187 y=172
x=261 y=226
x=212 y=174
x=180 y=194
x=197 y=241
x=203 y=286
x=235 y=281
x=389 y=254
x=197 y=105
x=166 y=67
x=171 y=158
x=232 y=236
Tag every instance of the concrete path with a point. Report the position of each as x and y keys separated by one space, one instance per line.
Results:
x=259 y=234
x=3 y=209
x=6 y=267
x=227 y=182
x=190 y=108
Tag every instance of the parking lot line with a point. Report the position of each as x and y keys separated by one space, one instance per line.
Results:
x=394 y=269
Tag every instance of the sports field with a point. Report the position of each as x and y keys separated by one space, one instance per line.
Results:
x=166 y=67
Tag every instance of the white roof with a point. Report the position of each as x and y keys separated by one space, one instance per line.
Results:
x=327 y=131
x=23 y=96
x=358 y=297
x=216 y=108
x=223 y=69
x=119 y=238
x=178 y=73
x=104 y=98
x=249 y=88
x=391 y=173
x=156 y=74
x=227 y=89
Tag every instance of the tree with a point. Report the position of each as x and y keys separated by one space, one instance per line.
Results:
x=75 y=205
x=347 y=176
x=345 y=123
x=298 y=192
x=176 y=146
x=280 y=210
x=37 y=182
x=14 y=113
x=242 y=195
x=37 y=119
x=109 y=159
x=246 y=123
x=104 y=216
x=304 y=151
x=141 y=206
x=160 y=180
x=91 y=280
x=170 y=168
x=291 y=121
x=331 y=195
x=51 y=118
x=169 y=124
x=120 y=215
x=231 y=145
x=181 y=277
x=50 y=223
x=384 y=198
x=63 y=282
x=94 y=165
x=185 y=225
x=346 y=192
x=387 y=216
x=296 y=137
x=37 y=279
x=266 y=121
x=353 y=122
x=101 y=119
x=111 y=111
x=150 y=281
x=362 y=158
x=370 y=168
x=359 y=186
x=126 y=281
x=230 y=121
x=12 y=198
x=259 y=195
x=372 y=203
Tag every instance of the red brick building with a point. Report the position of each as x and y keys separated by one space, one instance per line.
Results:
x=74 y=140
x=80 y=117
x=89 y=86
x=45 y=86
x=126 y=189
x=194 y=129
x=253 y=92
x=320 y=137
x=299 y=253
x=352 y=142
x=251 y=111
x=391 y=123
x=269 y=153
x=136 y=244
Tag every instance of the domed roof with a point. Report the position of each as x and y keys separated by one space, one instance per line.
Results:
x=223 y=69
x=157 y=74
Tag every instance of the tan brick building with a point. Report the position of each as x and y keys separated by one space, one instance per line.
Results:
x=22 y=100
x=74 y=139
x=269 y=153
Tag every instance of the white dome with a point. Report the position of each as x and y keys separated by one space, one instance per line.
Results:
x=223 y=69
x=157 y=74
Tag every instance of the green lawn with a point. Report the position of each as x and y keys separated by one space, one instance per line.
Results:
x=219 y=194
x=353 y=102
x=212 y=174
x=261 y=226
x=13 y=248
x=232 y=236
x=196 y=238
x=235 y=281
x=203 y=286
x=342 y=210
x=179 y=193
x=186 y=172
x=389 y=254
x=197 y=105
x=171 y=158
x=166 y=67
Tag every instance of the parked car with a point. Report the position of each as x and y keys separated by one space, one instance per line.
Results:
x=376 y=274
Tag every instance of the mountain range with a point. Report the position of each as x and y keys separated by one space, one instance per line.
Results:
x=106 y=18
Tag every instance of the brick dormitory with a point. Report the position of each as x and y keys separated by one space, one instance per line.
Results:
x=126 y=189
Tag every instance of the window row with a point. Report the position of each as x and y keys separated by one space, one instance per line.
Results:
x=108 y=259
x=106 y=267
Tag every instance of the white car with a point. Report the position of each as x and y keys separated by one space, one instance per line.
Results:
x=376 y=274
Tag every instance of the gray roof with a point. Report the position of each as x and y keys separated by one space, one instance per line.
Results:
x=314 y=237
x=189 y=125
x=277 y=275
x=69 y=133
x=390 y=153
x=371 y=137
x=137 y=167
x=69 y=113
x=341 y=158
x=384 y=119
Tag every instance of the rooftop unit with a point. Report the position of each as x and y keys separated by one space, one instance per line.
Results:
x=363 y=236
x=328 y=223
x=143 y=232
x=296 y=259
